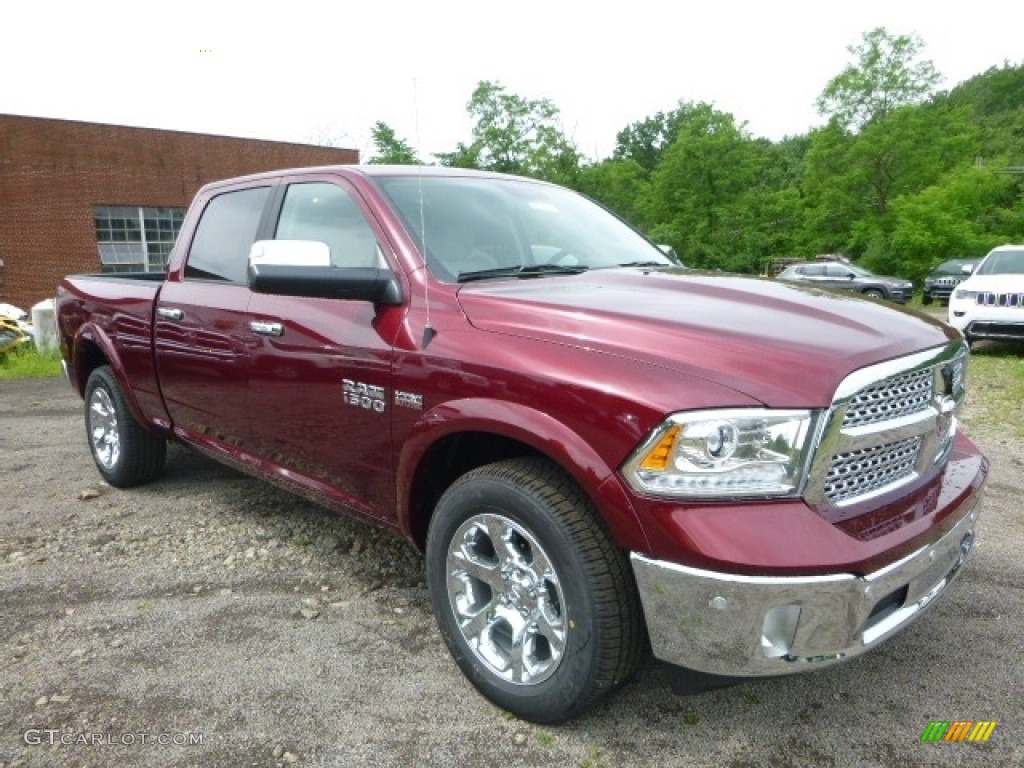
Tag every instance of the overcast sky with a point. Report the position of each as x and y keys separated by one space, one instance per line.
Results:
x=324 y=72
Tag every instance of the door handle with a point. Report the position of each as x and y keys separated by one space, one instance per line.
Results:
x=170 y=313
x=266 y=329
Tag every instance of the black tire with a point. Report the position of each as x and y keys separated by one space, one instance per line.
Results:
x=926 y=299
x=874 y=293
x=125 y=453
x=519 y=514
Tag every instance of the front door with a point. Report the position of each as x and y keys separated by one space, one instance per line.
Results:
x=320 y=379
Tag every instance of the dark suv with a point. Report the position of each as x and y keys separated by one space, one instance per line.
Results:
x=849 y=277
x=944 y=278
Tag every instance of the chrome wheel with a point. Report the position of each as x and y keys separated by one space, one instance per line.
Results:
x=103 y=428
x=507 y=599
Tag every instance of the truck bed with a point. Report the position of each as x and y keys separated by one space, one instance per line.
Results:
x=117 y=311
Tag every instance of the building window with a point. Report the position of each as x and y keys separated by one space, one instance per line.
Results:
x=136 y=239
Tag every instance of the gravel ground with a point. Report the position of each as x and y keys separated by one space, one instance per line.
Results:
x=210 y=607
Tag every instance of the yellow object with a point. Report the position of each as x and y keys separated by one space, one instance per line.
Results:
x=657 y=459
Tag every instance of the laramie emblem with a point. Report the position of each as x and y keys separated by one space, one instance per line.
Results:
x=409 y=400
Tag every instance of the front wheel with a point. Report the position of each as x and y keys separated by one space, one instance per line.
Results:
x=125 y=453
x=533 y=599
x=874 y=293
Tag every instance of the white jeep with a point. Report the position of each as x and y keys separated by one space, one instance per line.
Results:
x=990 y=303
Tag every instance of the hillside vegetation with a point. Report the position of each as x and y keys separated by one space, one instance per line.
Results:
x=900 y=178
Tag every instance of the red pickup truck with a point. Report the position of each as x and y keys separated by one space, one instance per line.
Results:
x=600 y=452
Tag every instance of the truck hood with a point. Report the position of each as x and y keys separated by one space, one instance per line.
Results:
x=781 y=344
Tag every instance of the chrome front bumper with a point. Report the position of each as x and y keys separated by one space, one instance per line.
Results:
x=724 y=624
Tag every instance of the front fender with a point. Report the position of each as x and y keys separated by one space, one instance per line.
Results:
x=537 y=429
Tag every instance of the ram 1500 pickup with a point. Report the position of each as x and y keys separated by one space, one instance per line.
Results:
x=599 y=452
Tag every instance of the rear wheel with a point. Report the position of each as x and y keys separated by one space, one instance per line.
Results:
x=874 y=293
x=125 y=453
x=533 y=599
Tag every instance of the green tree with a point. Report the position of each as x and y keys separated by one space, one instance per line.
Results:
x=513 y=134
x=965 y=213
x=646 y=140
x=698 y=191
x=878 y=144
x=389 y=149
x=833 y=201
x=463 y=156
x=995 y=99
x=621 y=185
x=884 y=77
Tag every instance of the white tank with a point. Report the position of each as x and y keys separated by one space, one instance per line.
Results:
x=44 y=327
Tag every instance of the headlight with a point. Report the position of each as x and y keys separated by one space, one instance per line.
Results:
x=723 y=454
x=962 y=293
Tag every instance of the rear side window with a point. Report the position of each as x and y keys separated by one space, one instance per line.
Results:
x=220 y=248
x=328 y=214
x=814 y=270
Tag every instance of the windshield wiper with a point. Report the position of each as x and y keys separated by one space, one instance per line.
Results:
x=643 y=264
x=534 y=270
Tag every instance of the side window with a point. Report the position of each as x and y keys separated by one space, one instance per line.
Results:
x=814 y=270
x=835 y=270
x=220 y=248
x=325 y=212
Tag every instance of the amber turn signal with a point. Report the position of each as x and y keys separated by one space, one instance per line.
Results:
x=657 y=459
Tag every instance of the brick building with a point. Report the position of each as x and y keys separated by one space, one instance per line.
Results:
x=88 y=197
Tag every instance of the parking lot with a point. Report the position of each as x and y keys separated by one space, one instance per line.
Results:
x=209 y=619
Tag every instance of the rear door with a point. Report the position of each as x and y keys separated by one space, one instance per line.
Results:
x=320 y=380
x=838 y=276
x=202 y=338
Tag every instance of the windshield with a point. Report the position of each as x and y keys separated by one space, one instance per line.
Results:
x=492 y=227
x=1002 y=263
x=953 y=267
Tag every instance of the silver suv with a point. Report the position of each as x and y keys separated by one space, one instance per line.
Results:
x=849 y=277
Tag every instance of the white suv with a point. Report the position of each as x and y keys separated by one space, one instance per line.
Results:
x=990 y=303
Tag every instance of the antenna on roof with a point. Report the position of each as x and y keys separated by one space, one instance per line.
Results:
x=428 y=330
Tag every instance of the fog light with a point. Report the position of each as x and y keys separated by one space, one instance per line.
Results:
x=779 y=630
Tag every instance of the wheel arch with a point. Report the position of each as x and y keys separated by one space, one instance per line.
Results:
x=92 y=348
x=459 y=436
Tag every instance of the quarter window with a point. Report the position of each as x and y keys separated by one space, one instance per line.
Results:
x=226 y=232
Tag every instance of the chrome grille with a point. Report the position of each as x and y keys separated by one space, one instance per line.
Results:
x=990 y=299
x=889 y=424
x=890 y=399
x=959 y=371
x=867 y=470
